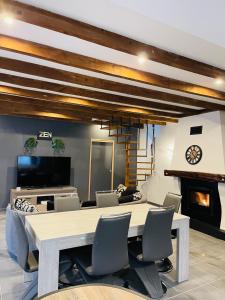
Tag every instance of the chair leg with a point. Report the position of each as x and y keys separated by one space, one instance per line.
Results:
x=113 y=279
x=173 y=233
x=164 y=266
x=71 y=277
x=150 y=278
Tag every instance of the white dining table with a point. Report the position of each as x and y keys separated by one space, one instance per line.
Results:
x=63 y=230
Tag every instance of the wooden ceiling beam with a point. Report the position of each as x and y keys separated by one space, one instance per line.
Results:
x=25 y=107
x=76 y=91
x=92 y=64
x=48 y=106
x=55 y=98
x=94 y=82
x=44 y=115
x=20 y=109
x=82 y=111
x=65 y=25
x=38 y=115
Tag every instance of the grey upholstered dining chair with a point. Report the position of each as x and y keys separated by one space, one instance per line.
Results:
x=106 y=199
x=28 y=261
x=66 y=203
x=173 y=199
x=109 y=253
x=155 y=245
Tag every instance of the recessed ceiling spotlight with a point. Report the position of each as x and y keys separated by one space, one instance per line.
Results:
x=8 y=19
x=142 y=58
x=219 y=81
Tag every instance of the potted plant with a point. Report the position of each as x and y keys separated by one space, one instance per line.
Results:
x=30 y=145
x=58 y=146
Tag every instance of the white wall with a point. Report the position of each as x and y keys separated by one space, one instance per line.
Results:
x=159 y=184
x=211 y=142
x=221 y=187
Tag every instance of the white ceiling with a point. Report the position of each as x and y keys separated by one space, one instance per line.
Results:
x=166 y=24
x=147 y=20
x=202 y=18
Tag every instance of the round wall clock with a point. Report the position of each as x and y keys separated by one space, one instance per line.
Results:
x=193 y=154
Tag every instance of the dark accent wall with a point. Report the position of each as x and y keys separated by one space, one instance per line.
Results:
x=77 y=137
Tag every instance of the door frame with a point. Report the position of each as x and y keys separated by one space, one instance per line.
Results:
x=90 y=162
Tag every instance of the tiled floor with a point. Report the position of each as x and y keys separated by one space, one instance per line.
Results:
x=207 y=271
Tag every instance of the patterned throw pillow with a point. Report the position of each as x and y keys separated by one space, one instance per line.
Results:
x=137 y=196
x=24 y=205
x=120 y=189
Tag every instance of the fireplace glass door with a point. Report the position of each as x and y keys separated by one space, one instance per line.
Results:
x=200 y=198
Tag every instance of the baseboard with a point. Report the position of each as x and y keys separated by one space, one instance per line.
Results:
x=207 y=229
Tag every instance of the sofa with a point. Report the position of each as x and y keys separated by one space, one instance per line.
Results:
x=124 y=198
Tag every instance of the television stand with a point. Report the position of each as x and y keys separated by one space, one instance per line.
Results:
x=40 y=192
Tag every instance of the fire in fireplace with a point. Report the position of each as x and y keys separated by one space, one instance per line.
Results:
x=199 y=198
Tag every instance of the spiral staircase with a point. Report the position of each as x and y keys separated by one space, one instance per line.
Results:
x=139 y=144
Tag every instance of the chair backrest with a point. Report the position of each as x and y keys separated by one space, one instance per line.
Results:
x=21 y=242
x=106 y=199
x=110 y=251
x=156 y=240
x=172 y=200
x=66 y=203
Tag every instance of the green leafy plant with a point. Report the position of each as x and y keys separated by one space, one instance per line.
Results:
x=58 y=146
x=30 y=145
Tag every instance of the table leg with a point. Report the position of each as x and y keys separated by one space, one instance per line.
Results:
x=48 y=268
x=183 y=251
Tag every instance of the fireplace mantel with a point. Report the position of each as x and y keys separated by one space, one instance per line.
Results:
x=196 y=175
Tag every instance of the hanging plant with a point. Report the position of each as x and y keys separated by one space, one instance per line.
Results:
x=58 y=146
x=30 y=145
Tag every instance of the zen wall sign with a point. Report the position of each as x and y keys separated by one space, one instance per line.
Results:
x=44 y=135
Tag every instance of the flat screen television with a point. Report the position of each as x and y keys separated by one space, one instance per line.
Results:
x=42 y=171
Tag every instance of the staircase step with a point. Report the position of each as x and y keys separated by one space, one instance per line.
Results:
x=138 y=155
x=140 y=162
x=141 y=180
x=134 y=174
x=132 y=182
x=113 y=127
x=128 y=142
x=121 y=134
x=135 y=149
x=151 y=169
